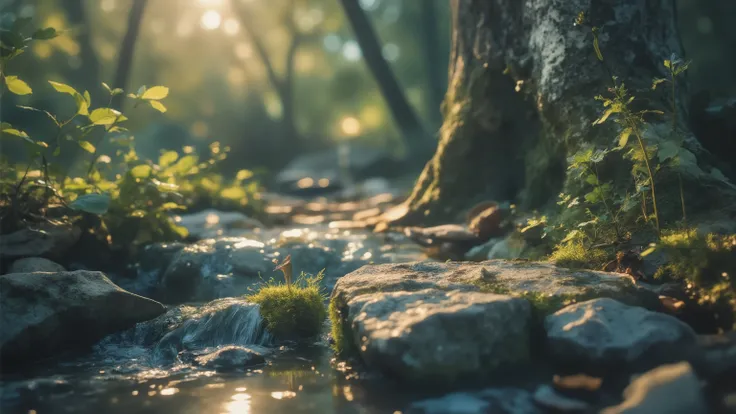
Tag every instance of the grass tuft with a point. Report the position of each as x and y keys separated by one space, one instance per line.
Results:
x=292 y=313
x=574 y=255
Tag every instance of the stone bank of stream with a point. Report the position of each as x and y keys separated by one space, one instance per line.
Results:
x=165 y=364
x=432 y=337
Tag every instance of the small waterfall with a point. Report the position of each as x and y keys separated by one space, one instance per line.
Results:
x=229 y=321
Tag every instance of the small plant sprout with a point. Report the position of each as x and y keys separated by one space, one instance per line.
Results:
x=675 y=67
x=286 y=268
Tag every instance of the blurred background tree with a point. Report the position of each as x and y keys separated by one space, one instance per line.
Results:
x=270 y=79
x=275 y=79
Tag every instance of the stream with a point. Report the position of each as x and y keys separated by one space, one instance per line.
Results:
x=152 y=368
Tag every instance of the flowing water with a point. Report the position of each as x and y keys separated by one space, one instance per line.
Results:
x=153 y=367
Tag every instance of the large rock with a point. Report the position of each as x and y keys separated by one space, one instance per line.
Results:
x=436 y=336
x=548 y=287
x=671 y=389
x=35 y=264
x=50 y=239
x=47 y=313
x=604 y=334
x=494 y=400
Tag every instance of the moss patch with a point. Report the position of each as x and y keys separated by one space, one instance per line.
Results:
x=707 y=264
x=542 y=304
x=576 y=256
x=342 y=336
x=294 y=313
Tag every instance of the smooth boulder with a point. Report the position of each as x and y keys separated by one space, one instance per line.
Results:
x=35 y=264
x=671 y=389
x=44 y=314
x=51 y=239
x=604 y=334
x=493 y=400
x=230 y=358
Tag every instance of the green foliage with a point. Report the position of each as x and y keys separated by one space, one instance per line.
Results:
x=706 y=264
x=134 y=198
x=292 y=313
x=574 y=254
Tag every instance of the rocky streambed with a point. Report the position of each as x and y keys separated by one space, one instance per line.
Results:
x=172 y=333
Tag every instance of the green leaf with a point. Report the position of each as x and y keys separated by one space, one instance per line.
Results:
x=183 y=166
x=592 y=197
x=657 y=81
x=87 y=98
x=105 y=116
x=597 y=49
x=87 y=146
x=171 y=206
x=6 y=128
x=11 y=39
x=168 y=158
x=605 y=116
x=107 y=87
x=92 y=203
x=623 y=138
x=155 y=93
x=138 y=213
x=667 y=63
x=82 y=105
x=652 y=248
x=64 y=88
x=141 y=171
x=116 y=91
x=57 y=151
x=667 y=150
x=591 y=179
x=17 y=86
x=158 y=106
x=47 y=113
x=233 y=193
x=180 y=230
x=45 y=34
x=244 y=175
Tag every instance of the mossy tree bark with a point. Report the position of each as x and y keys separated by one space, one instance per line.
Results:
x=523 y=79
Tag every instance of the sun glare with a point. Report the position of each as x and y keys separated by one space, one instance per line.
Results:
x=211 y=20
x=350 y=126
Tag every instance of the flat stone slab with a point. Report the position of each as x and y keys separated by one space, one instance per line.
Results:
x=545 y=284
x=438 y=336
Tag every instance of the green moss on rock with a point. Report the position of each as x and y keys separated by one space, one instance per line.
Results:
x=292 y=313
x=342 y=335
x=576 y=256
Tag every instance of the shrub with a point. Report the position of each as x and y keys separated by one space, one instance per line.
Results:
x=292 y=313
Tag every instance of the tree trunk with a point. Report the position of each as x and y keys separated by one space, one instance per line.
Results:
x=414 y=134
x=127 y=50
x=283 y=85
x=521 y=100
